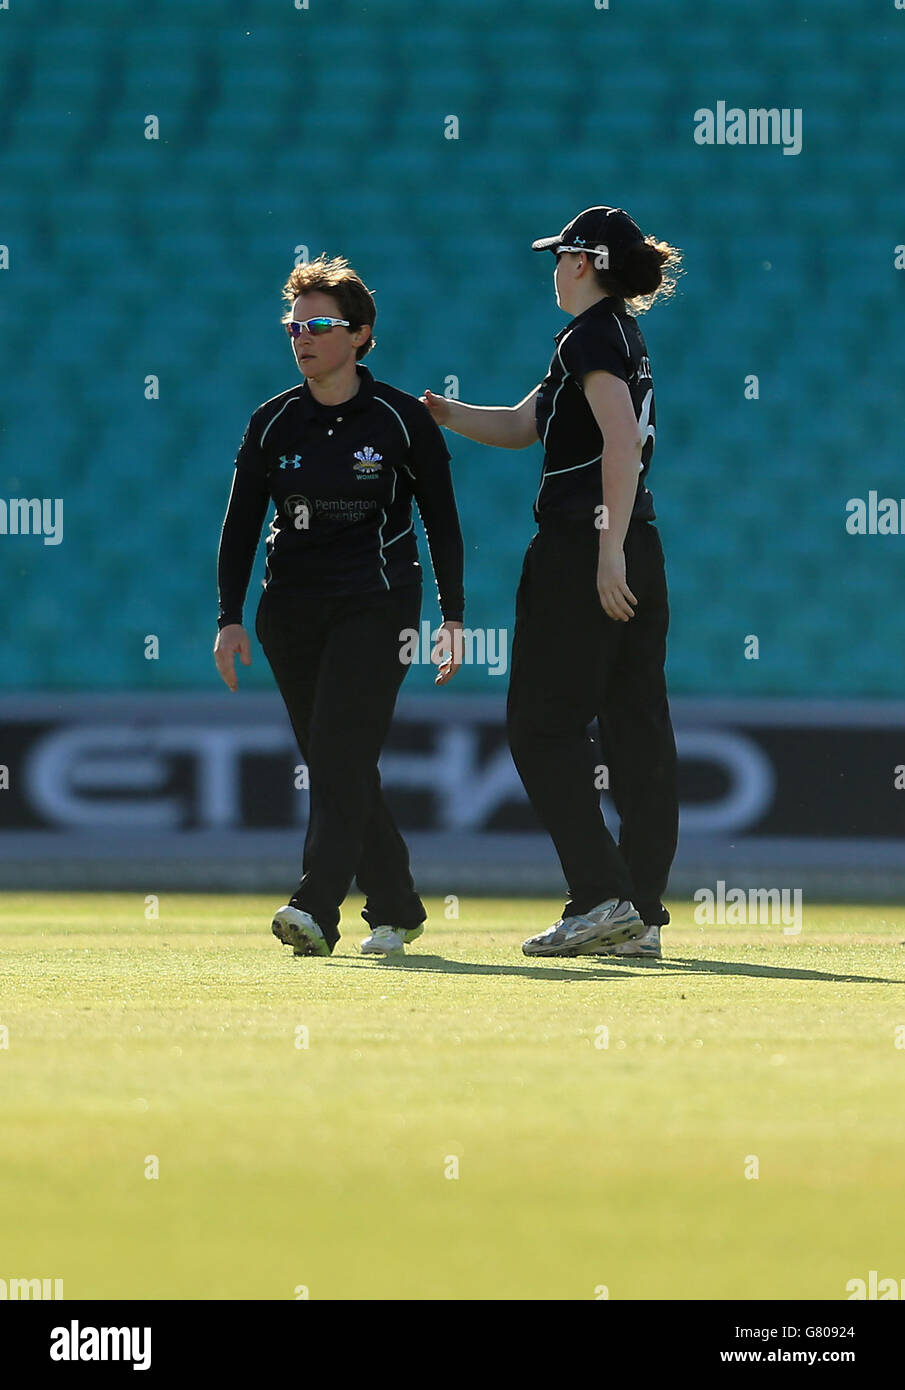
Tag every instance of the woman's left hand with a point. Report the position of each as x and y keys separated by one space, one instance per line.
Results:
x=447 y=652
x=615 y=595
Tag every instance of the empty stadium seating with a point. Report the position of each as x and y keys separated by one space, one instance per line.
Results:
x=326 y=128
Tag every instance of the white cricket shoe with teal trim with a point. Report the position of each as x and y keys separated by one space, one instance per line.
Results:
x=389 y=941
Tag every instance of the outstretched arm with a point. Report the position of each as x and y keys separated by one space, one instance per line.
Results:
x=505 y=427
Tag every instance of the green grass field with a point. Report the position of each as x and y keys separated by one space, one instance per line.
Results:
x=579 y=1165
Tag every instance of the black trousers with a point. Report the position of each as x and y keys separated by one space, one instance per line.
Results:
x=336 y=663
x=571 y=664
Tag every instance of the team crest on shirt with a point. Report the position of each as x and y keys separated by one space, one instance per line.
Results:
x=369 y=462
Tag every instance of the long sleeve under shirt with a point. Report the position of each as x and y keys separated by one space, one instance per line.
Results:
x=342 y=479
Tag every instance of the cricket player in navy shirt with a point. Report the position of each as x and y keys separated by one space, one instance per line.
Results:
x=592 y=610
x=341 y=458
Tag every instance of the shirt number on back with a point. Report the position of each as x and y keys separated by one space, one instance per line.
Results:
x=644 y=424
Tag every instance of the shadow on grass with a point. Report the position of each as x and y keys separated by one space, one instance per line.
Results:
x=687 y=965
x=561 y=968
x=439 y=965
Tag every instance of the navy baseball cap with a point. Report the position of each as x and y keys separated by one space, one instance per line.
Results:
x=603 y=230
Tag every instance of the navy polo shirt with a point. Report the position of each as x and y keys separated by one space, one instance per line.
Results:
x=604 y=337
x=341 y=479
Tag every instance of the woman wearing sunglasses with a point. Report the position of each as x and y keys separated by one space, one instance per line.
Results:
x=592 y=610
x=341 y=458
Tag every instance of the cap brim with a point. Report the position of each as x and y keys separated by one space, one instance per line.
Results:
x=546 y=243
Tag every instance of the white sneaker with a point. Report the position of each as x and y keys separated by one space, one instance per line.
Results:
x=389 y=941
x=606 y=925
x=300 y=931
x=646 y=945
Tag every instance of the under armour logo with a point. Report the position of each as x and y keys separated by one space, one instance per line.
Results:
x=290 y=461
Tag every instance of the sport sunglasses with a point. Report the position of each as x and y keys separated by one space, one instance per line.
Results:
x=314 y=326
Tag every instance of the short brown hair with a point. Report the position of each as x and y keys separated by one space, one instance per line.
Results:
x=337 y=278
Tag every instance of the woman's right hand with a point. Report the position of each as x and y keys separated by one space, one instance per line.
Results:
x=438 y=407
x=231 y=639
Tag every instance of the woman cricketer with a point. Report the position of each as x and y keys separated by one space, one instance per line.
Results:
x=341 y=458
x=591 y=609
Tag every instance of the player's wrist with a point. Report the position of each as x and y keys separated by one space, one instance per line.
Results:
x=451 y=411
